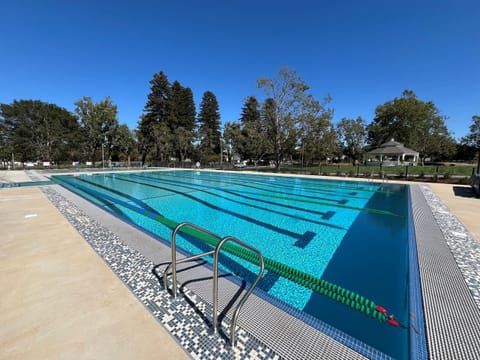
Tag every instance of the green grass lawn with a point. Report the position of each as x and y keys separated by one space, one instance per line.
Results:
x=410 y=172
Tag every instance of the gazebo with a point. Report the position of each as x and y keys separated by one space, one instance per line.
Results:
x=392 y=153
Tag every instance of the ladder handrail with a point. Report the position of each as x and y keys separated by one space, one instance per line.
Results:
x=165 y=272
x=173 y=245
x=215 y=252
x=215 y=285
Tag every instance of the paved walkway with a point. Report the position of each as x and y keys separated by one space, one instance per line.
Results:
x=61 y=301
x=13 y=176
x=461 y=202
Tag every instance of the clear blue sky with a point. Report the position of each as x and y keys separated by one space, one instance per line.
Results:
x=362 y=53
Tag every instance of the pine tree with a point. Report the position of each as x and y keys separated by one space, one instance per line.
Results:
x=182 y=119
x=250 y=112
x=253 y=138
x=183 y=111
x=209 y=126
x=156 y=113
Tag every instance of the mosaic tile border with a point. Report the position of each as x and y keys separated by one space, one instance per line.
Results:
x=183 y=321
x=464 y=247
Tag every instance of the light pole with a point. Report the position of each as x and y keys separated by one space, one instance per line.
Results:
x=222 y=136
x=103 y=156
x=221 y=154
x=104 y=143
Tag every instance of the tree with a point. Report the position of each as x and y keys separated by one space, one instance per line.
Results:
x=253 y=144
x=181 y=119
x=183 y=142
x=6 y=148
x=473 y=139
x=35 y=130
x=314 y=124
x=156 y=112
x=168 y=120
x=287 y=100
x=163 y=141
x=234 y=141
x=98 y=124
x=182 y=112
x=352 y=134
x=415 y=123
x=272 y=137
x=124 y=143
x=465 y=151
x=209 y=126
x=327 y=143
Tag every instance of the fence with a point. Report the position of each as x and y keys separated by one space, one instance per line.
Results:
x=403 y=172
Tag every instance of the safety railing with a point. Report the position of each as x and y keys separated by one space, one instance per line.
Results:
x=215 y=285
x=221 y=241
x=174 y=262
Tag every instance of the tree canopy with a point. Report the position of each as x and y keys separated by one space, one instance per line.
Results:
x=289 y=123
x=98 y=125
x=473 y=138
x=352 y=134
x=35 y=130
x=153 y=123
x=166 y=128
x=415 y=123
x=288 y=111
x=253 y=144
x=209 y=126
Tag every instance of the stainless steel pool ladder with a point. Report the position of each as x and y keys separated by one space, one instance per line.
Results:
x=215 y=252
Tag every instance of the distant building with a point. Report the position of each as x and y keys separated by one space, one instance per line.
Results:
x=392 y=153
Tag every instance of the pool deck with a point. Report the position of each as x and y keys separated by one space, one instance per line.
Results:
x=64 y=301
x=59 y=299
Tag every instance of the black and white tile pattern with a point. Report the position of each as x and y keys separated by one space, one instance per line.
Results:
x=186 y=323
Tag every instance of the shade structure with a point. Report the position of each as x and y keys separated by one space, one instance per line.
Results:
x=392 y=153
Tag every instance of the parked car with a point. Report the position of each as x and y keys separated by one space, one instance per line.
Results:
x=240 y=164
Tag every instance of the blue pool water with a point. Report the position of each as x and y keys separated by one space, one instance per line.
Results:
x=353 y=234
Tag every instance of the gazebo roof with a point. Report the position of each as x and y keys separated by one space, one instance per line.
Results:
x=392 y=148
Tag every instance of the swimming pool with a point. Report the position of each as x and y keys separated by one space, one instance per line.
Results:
x=351 y=234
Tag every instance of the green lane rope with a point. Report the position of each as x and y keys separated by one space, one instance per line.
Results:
x=315 y=202
x=320 y=286
x=369 y=210
x=315 y=186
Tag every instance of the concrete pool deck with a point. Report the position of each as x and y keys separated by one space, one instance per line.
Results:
x=59 y=299
x=65 y=302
